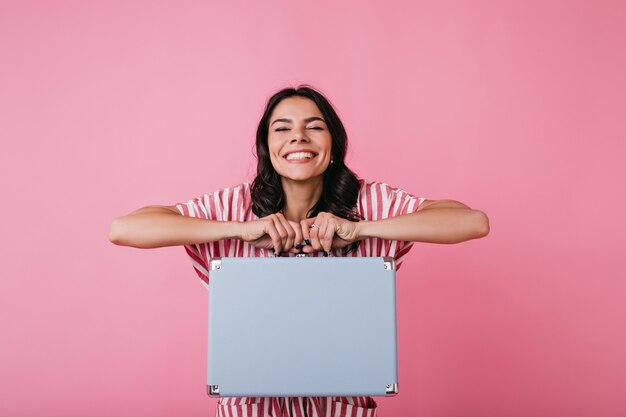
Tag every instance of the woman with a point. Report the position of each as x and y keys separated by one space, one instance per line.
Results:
x=303 y=200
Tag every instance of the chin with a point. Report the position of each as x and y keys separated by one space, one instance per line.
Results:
x=301 y=178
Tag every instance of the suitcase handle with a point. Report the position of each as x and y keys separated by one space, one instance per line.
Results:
x=302 y=255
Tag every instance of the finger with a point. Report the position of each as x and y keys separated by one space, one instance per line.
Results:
x=280 y=229
x=298 y=240
x=277 y=241
x=306 y=237
x=323 y=223
x=306 y=234
x=328 y=234
x=323 y=220
x=314 y=236
x=308 y=222
x=291 y=234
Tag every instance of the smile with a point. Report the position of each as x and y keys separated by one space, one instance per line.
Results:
x=296 y=156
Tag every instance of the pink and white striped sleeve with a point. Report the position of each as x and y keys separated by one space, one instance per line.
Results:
x=200 y=253
x=228 y=204
x=398 y=203
x=379 y=201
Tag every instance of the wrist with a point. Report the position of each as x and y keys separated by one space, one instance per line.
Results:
x=235 y=230
x=363 y=230
x=220 y=230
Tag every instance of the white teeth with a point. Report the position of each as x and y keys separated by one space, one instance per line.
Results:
x=300 y=155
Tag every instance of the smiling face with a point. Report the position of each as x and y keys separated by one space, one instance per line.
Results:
x=298 y=140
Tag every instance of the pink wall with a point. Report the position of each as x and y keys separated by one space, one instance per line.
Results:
x=515 y=108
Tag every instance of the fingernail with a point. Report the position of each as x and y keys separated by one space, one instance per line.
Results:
x=307 y=241
x=298 y=246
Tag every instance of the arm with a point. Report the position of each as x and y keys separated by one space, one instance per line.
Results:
x=435 y=221
x=160 y=226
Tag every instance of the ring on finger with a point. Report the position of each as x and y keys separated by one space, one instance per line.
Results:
x=315 y=226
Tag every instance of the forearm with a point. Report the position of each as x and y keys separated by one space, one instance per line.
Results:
x=154 y=228
x=432 y=225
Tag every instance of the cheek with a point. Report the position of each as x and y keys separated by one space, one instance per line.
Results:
x=273 y=146
x=329 y=144
x=274 y=152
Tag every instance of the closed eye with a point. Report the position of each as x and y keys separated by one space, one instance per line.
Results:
x=281 y=129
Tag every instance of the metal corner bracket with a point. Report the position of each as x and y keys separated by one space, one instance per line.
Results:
x=215 y=263
x=391 y=390
x=213 y=390
x=389 y=263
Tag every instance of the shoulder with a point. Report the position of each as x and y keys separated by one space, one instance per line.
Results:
x=379 y=200
x=231 y=199
x=226 y=193
x=229 y=203
x=378 y=188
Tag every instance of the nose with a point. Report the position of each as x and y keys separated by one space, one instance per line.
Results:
x=299 y=136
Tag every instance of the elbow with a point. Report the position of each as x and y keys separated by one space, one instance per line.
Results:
x=115 y=232
x=482 y=224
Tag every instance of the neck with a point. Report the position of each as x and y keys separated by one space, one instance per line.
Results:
x=300 y=197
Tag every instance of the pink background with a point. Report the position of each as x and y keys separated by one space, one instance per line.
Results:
x=514 y=108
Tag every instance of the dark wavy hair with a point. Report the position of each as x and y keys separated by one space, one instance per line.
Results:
x=340 y=186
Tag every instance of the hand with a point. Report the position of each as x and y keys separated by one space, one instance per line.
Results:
x=273 y=231
x=327 y=231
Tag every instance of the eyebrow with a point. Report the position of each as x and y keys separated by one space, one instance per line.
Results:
x=307 y=120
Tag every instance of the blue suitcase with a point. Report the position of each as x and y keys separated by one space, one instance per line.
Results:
x=302 y=326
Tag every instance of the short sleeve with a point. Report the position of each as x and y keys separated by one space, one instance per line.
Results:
x=379 y=201
x=199 y=254
x=229 y=204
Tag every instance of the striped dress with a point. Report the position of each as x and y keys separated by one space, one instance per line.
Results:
x=376 y=201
